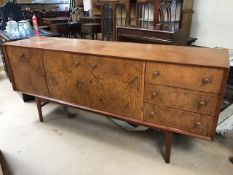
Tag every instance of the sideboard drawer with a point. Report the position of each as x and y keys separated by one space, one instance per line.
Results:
x=194 y=101
x=183 y=120
x=188 y=77
x=27 y=70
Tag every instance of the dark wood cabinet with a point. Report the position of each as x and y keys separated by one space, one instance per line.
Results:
x=160 y=22
x=114 y=13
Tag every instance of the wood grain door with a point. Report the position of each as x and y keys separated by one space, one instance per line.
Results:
x=27 y=69
x=67 y=77
x=115 y=85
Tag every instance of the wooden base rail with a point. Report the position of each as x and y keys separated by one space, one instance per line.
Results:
x=167 y=134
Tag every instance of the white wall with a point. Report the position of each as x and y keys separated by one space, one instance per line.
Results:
x=212 y=23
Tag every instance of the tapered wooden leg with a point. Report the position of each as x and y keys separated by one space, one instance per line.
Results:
x=231 y=159
x=168 y=142
x=39 y=105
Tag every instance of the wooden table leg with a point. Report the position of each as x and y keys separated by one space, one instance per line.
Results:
x=168 y=142
x=4 y=169
x=39 y=107
x=231 y=159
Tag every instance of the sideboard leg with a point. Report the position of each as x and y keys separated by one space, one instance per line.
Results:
x=38 y=104
x=168 y=142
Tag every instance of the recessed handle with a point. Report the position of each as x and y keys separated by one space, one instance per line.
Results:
x=206 y=80
x=156 y=74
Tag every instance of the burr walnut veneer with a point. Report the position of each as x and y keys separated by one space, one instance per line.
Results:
x=175 y=89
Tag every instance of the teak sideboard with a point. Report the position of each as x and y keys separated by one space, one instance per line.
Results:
x=175 y=89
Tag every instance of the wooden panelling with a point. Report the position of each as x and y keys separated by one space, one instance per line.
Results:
x=195 y=101
x=188 y=77
x=67 y=77
x=187 y=121
x=27 y=69
x=115 y=85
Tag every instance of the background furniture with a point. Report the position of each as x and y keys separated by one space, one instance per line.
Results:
x=90 y=25
x=9 y=11
x=228 y=97
x=27 y=15
x=88 y=19
x=45 y=6
x=175 y=89
x=151 y=36
x=169 y=15
x=68 y=29
x=160 y=22
x=91 y=28
x=114 y=13
x=54 y=20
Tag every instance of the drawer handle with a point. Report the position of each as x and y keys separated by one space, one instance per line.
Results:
x=156 y=74
x=206 y=80
x=198 y=124
x=152 y=114
x=154 y=94
x=94 y=66
x=77 y=64
x=202 y=103
x=21 y=55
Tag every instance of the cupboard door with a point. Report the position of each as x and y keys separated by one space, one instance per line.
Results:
x=27 y=70
x=115 y=85
x=66 y=77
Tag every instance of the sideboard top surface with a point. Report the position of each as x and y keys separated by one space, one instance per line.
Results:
x=161 y=53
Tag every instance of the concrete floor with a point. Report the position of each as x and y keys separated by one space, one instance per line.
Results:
x=89 y=144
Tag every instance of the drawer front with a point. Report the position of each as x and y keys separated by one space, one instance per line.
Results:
x=27 y=69
x=186 y=121
x=194 y=101
x=67 y=77
x=188 y=77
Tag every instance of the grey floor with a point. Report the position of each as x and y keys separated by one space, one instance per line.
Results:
x=90 y=144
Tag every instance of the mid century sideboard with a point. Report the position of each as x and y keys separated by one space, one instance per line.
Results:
x=175 y=89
